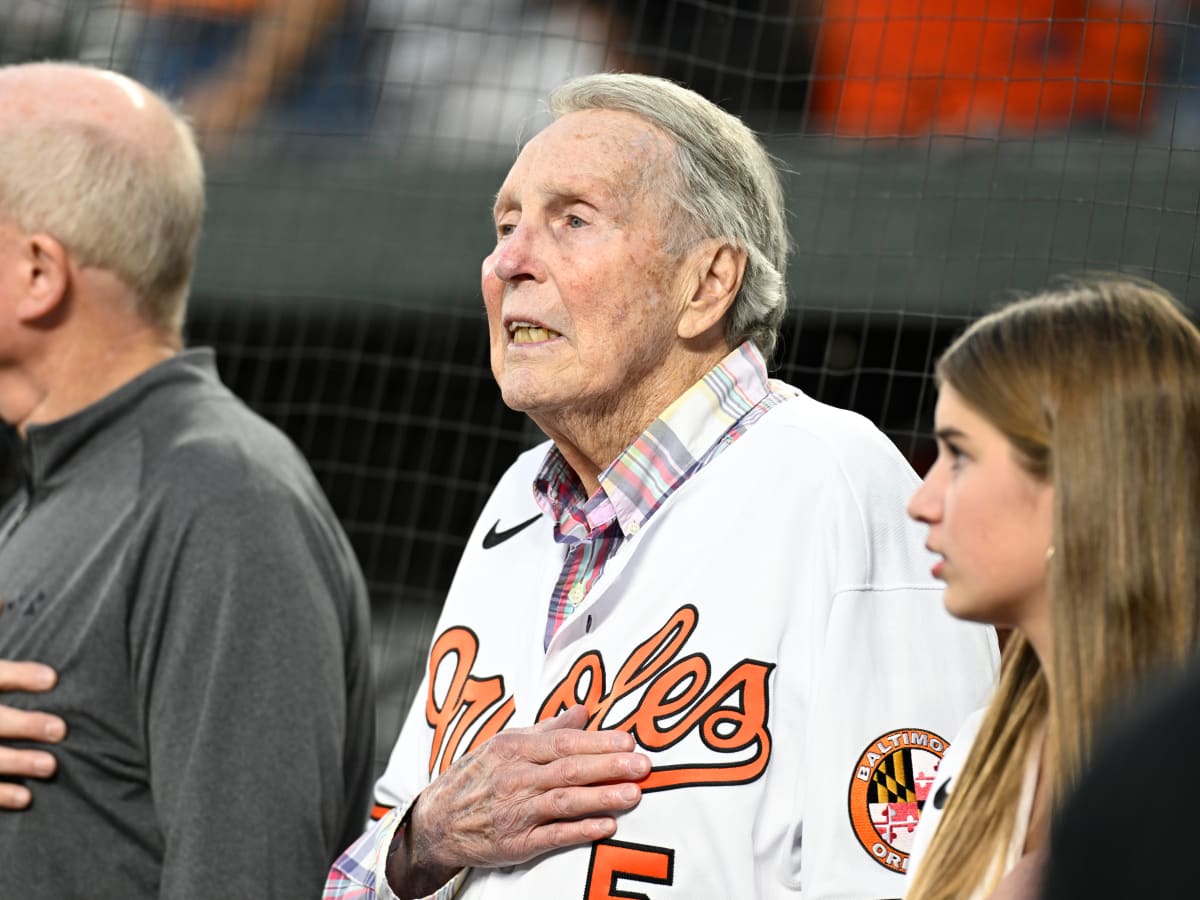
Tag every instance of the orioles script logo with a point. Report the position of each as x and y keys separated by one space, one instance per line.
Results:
x=658 y=695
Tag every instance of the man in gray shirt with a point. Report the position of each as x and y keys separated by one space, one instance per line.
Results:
x=170 y=559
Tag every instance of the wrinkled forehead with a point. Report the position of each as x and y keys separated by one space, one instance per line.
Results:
x=611 y=149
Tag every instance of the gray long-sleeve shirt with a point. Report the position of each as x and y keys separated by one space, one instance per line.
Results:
x=174 y=559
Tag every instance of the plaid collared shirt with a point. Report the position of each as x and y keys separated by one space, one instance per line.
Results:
x=693 y=431
x=353 y=875
x=690 y=434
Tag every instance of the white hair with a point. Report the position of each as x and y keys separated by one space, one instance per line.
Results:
x=725 y=186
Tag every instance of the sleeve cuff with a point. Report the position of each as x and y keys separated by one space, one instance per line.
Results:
x=386 y=833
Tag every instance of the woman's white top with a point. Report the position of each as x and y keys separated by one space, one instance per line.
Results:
x=943 y=787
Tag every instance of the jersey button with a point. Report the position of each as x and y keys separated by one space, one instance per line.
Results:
x=576 y=594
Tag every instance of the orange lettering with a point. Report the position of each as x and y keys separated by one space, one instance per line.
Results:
x=657 y=703
x=726 y=729
x=646 y=661
x=466 y=700
x=566 y=694
x=675 y=701
x=731 y=717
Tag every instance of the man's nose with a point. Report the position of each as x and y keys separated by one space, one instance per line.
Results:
x=514 y=257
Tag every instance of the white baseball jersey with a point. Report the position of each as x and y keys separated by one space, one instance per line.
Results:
x=771 y=638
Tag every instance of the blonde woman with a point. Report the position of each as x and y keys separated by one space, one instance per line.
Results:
x=1065 y=505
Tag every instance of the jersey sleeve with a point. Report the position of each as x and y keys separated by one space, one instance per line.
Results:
x=240 y=640
x=897 y=675
x=893 y=677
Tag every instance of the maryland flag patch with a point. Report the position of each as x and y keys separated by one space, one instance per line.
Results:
x=888 y=790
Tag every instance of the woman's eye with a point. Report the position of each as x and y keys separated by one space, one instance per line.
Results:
x=952 y=454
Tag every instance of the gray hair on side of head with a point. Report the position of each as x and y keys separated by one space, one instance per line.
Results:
x=114 y=204
x=726 y=187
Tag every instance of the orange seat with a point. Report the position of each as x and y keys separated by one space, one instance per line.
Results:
x=980 y=67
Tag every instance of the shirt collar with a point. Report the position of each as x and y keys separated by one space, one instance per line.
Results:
x=52 y=450
x=662 y=456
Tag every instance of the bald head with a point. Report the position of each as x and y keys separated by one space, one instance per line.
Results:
x=104 y=166
x=45 y=93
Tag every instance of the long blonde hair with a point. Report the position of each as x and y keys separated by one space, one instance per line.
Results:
x=1097 y=386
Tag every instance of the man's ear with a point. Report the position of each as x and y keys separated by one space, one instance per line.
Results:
x=45 y=275
x=719 y=267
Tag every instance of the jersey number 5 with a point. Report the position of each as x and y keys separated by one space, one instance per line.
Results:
x=614 y=860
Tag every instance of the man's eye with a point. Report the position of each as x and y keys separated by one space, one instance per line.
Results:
x=504 y=229
x=575 y=222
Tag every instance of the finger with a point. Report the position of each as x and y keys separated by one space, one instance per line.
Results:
x=17 y=724
x=559 y=835
x=571 y=717
x=26 y=763
x=14 y=796
x=26 y=676
x=578 y=803
x=564 y=742
x=596 y=768
x=527 y=784
x=559 y=826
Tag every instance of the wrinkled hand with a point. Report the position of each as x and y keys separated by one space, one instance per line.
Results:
x=16 y=724
x=523 y=793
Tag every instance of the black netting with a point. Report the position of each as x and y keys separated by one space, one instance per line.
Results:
x=937 y=157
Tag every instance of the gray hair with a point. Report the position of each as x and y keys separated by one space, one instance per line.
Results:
x=726 y=186
x=114 y=204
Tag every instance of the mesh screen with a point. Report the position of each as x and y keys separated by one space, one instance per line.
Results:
x=937 y=156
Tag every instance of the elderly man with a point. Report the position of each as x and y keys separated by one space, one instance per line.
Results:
x=692 y=648
x=171 y=559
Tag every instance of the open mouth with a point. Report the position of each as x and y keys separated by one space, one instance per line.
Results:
x=528 y=333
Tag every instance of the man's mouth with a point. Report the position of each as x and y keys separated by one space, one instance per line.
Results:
x=528 y=333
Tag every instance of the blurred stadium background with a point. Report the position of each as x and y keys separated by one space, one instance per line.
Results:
x=938 y=156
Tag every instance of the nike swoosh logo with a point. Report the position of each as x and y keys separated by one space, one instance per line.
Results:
x=494 y=537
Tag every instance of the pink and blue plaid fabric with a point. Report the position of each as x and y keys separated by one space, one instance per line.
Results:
x=353 y=874
x=692 y=432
